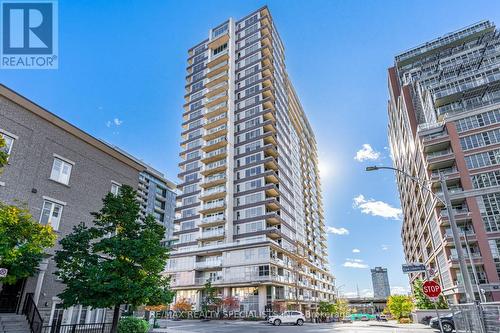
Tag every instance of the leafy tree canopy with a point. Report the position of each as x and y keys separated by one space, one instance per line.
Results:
x=118 y=260
x=400 y=306
x=22 y=242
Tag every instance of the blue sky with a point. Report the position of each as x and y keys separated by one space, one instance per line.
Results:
x=121 y=78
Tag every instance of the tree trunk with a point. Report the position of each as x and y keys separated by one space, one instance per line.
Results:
x=116 y=315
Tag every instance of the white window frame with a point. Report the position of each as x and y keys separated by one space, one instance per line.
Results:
x=54 y=202
x=118 y=186
x=11 y=136
x=64 y=162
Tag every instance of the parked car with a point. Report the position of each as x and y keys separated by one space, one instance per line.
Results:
x=446 y=321
x=381 y=318
x=347 y=320
x=288 y=317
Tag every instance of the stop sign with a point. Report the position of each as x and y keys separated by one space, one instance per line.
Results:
x=431 y=289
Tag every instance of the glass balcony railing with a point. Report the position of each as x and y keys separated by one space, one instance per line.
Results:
x=208 y=263
x=213 y=233
x=216 y=204
x=213 y=218
x=214 y=178
x=213 y=190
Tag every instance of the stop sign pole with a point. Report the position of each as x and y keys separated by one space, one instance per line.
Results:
x=432 y=290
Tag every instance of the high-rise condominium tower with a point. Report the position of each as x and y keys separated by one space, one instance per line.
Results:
x=444 y=119
x=380 y=281
x=250 y=217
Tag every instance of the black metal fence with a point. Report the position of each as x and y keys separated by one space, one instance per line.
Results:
x=32 y=315
x=78 y=328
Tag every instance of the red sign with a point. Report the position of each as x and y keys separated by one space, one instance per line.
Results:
x=431 y=289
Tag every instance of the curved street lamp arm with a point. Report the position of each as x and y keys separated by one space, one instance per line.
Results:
x=421 y=182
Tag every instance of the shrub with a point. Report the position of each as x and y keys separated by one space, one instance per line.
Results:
x=132 y=325
x=404 y=320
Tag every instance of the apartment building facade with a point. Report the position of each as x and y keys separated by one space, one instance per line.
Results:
x=380 y=282
x=249 y=216
x=444 y=120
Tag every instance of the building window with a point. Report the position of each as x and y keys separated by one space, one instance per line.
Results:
x=115 y=188
x=61 y=171
x=51 y=214
x=9 y=142
x=264 y=270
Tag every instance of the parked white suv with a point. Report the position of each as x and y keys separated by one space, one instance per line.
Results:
x=288 y=317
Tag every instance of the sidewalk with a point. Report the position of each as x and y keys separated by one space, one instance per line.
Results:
x=394 y=324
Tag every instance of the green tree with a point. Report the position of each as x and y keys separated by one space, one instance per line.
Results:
x=22 y=242
x=118 y=260
x=325 y=307
x=209 y=298
x=422 y=301
x=400 y=306
x=3 y=153
x=341 y=307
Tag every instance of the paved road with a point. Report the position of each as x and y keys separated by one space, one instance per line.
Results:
x=215 y=326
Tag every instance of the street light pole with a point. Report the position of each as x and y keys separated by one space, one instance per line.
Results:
x=469 y=294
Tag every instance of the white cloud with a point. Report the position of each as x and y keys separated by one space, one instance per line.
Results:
x=337 y=231
x=356 y=250
x=377 y=208
x=108 y=123
x=397 y=290
x=385 y=247
x=117 y=121
x=366 y=153
x=354 y=263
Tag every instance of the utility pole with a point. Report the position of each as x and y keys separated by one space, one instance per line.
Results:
x=482 y=298
x=469 y=293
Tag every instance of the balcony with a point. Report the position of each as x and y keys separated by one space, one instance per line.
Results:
x=213 y=220
x=216 y=110
x=213 y=207
x=215 y=121
x=214 y=155
x=221 y=66
x=271 y=177
x=213 y=193
x=212 y=234
x=209 y=264
x=272 y=218
x=221 y=76
x=215 y=132
x=273 y=232
x=217 y=89
x=216 y=99
x=214 y=144
x=450 y=172
x=214 y=167
x=205 y=279
x=272 y=190
x=213 y=180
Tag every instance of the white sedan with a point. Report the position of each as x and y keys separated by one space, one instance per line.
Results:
x=288 y=317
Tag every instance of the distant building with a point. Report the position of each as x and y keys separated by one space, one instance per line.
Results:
x=380 y=280
x=157 y=197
